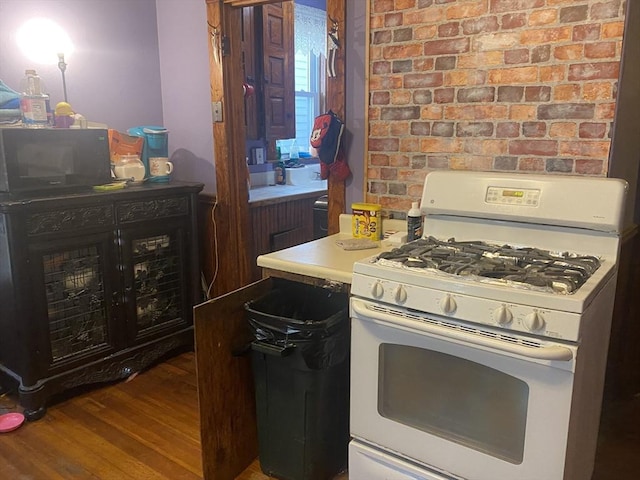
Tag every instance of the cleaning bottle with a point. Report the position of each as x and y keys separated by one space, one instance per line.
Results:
x=414 y=223
x=34 y=102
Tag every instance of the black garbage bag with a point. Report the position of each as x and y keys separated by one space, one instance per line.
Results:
x=312 y=320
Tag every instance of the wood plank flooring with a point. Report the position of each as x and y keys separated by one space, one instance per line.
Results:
x=147 y=428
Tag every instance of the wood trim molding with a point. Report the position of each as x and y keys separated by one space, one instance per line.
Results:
x=336 y=10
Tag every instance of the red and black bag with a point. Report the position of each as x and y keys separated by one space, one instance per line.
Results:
x=326 y=136
x=326 y=139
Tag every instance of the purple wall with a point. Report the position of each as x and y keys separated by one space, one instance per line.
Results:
x=146 y=62
x=113 y=76
x=129 y=68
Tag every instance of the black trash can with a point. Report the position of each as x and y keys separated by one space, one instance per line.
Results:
x=300 y=360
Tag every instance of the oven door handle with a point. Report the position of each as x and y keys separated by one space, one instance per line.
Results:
x=555 y=352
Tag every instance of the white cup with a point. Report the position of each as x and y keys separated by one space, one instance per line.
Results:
x=160 y=166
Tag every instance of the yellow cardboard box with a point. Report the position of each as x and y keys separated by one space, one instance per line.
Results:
x=366 y=221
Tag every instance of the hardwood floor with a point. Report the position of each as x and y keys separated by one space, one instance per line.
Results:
x=147 y=428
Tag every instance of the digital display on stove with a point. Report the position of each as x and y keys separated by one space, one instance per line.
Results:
x=512 y=193
x=526 y=197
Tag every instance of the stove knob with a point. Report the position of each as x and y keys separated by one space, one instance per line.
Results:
x=534 y=322
x=401 y=294
x=448 y=304
x=503 y=315
x=377 y=290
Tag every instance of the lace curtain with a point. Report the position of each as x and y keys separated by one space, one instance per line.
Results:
x=310 y=30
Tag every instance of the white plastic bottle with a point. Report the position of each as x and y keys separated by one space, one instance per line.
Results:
x=414 y=223
x=34 y=102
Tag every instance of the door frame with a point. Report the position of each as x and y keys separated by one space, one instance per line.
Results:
x=231 y=211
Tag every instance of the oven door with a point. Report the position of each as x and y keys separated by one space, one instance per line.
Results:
x=457 y=399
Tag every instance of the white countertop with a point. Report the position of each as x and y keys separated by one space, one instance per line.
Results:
x=259 y=194
x=324 y=259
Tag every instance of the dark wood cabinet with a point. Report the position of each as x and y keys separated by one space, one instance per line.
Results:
x=280 y=224
x=94 y=286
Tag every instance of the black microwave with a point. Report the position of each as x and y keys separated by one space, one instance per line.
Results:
x=42 y=159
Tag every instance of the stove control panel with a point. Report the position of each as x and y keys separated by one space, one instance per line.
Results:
x=509 y=196
x=473 y=309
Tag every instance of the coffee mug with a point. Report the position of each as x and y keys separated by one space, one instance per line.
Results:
x=160 y=166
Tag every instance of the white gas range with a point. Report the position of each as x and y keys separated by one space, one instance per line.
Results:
x=478 y=351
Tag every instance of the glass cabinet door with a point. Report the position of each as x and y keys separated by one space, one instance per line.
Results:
x=76 y=285
x=156 y=273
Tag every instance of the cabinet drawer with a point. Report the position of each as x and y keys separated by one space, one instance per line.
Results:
x=135 y=211
x=70 y=219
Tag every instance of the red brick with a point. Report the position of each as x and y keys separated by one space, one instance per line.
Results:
x=594 y=71
x=513 y=20
x=444 y=47
x=451 y=29
x=533 y=147
x=543 y=17
x=520 y=55
x=569 y=52
x=592 y=130
x=400 y=113
x=586 y=33
x=534 y=129
x=393 y=20
x=382 y=6
x=499 y=6
x=513 y=75
x=578 y=13
x=478 y=94
x=589 y=167
x=381 y=37
x=553 y=73
x=566 y=111
x=508 y=130
x=474 y=129
x=531 y=164
x=440 y=145
x=566 y=92
x=422 y=97
x=613 y=30
x=399 y=128
x=563 y=130
x=380 y=98
x=442 y=129
x=381 y=68
x=402 y=51
x=422 y=80
x=384 y=144
x=562 y=165
x=437 y=161
x=467 y=9
x=420 y=128
x=583 y=148
x=379 y=159
x=600 y=50
x=480 y=25
x=603 y=10
x=444 y=95
x=545 y=35
x=537 y=93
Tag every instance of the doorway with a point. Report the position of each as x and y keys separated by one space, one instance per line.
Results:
x=231 y=213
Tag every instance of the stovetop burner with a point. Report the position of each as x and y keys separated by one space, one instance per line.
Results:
x=532 y=267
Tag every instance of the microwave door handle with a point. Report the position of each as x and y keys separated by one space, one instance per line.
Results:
x=555 y=352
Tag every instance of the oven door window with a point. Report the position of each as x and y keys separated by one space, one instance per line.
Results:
x=455 y=399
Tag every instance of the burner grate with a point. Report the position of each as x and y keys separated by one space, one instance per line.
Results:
x=536 y=268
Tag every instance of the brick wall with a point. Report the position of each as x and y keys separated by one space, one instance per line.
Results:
x=505 y=85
